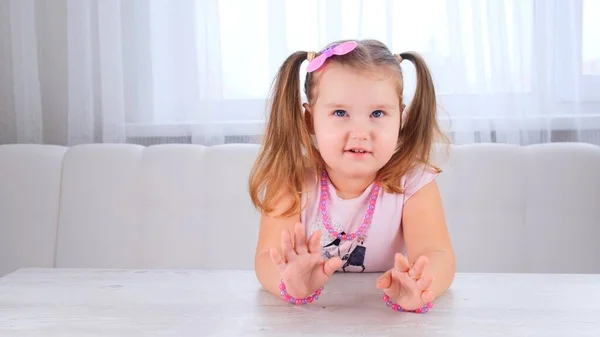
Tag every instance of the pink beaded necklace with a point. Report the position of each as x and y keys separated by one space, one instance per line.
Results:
x=327 y=221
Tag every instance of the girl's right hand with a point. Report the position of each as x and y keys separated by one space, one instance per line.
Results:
x=302 y=267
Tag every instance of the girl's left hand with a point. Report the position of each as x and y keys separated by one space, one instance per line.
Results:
x=406 y=286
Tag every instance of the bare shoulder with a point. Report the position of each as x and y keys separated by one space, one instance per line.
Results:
x=427 y=198
x=417 y=178
x=423 y=201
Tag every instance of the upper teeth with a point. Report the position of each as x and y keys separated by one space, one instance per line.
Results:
x=358 y=150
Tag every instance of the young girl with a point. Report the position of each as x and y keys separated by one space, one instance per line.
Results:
x=344 y=180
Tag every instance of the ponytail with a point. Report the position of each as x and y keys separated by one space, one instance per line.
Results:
x=419 y=127
x=282 y=163
x=421 y=117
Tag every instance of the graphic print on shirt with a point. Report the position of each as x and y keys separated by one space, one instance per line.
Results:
x=351 y=252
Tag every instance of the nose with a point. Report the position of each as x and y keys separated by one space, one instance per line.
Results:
x=360 y=131
x=359 y=136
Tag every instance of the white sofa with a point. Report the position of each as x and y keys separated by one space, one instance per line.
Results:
x=509 y=208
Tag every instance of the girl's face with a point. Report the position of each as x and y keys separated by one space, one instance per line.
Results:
x=356 y=119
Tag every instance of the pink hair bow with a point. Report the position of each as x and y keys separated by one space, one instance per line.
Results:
x=338 y=49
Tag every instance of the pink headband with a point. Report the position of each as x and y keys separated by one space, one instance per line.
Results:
x=336 y=49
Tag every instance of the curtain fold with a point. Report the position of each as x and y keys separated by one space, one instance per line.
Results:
x=199 y=71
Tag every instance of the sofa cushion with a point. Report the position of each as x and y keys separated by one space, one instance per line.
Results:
x=99 y=223
x=173 y=218
x=483 y=192
x=231 y=225
x=562 y=208
x=30 y=178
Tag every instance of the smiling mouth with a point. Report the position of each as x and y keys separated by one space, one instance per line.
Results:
x=357 y=151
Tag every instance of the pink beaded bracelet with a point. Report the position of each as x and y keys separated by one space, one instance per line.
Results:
x=396 y=307
x=298 y=301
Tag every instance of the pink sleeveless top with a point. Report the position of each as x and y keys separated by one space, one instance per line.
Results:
x=373 y=251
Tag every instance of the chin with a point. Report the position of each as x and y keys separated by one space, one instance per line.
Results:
x=352 y=170
x=355 y=173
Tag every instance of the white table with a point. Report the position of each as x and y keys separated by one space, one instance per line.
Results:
x=97 y=302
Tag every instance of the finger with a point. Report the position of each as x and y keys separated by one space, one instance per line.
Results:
x=331 y=265
x=286 y=245
x=277 y=259
x=425 y=282
x=396 y=283
x=400 y=263
x=427 y=296
x=404 y=281
x=300 y=239
x=314 y=242
x=385 y=281
x=417 y=269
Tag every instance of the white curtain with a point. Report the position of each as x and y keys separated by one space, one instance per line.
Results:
x=152 y=71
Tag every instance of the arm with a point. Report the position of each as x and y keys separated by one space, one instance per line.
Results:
x=269 y=236
x=426 y=234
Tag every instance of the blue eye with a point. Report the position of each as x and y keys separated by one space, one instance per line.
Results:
x=377 y=113
x=340 y=113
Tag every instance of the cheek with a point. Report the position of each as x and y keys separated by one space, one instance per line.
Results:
x=329 y=138
x=388 y=135
x=388 y=138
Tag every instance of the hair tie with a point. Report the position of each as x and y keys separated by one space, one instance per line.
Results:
x=310 y=55
x=399 y=58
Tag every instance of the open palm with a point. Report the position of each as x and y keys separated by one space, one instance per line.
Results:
x=410 y=293
x=302 y=268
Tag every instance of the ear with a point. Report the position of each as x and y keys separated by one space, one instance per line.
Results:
x=308 y=118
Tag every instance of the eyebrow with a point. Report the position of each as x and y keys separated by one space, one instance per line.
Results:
x=335 y=105
x=375 y=107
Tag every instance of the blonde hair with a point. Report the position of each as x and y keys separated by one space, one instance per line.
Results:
x=287 y=154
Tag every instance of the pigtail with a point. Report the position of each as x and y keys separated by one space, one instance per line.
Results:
x=286 y=150
x=419 y=128
x=420 y=124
